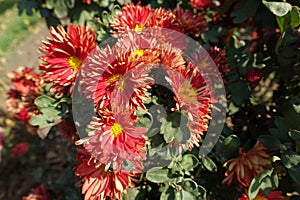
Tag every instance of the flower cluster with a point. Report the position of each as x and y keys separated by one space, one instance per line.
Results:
x=27 y=85
x=146 y=107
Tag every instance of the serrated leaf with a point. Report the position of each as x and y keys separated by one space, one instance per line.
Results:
x=278 y=8
x=209 y=164
x=44 y=101
x=40 y=120
x=50 y=113
x=158 y=175
x=189 y=162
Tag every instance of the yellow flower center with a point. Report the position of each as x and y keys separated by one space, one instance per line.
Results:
x=116 y=129
x=138 y=52
x=114 y=78
x=138 y=27
x=74 y=62
x=188 y=93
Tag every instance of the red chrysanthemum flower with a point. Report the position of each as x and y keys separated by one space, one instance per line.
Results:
x=38 y=193
x=274 y=195
x=27 y=85
x=219 y=57
x=20 y=149
x=245 y=167
x=132 y=17
x=200 y=4
x=254 y=75
x=125 y=75
x=137 y=17
x=115 y=140
x=64 y=54
x=189 y=22
x=99 y=183
x=25 y=80
x=192 y=99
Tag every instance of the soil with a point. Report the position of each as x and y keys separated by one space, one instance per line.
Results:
x=26 y=55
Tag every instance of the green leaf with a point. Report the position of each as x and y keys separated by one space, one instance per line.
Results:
x=130 y=194
x=270 y=142
x=60 y=9
x=295 y=134
x=50 y=113
x=49 y=4
x=239 y=92
x=246 y=9
x=41 y=121
x=295 y=17
x=281 y=21
x=44 y=101
x=230 y=145
x=266 y=181
x=168 y=194
x=189 y=162
x=175 y=165
x=290 y=159
x=278 y=8
x=209 y=164
x=281 y=132
x=168 y=131
x=294 y=174
x=225 y=6
x=189 y=185
x=158 y=175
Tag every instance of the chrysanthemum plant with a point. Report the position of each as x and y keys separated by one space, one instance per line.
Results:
x=170 y=99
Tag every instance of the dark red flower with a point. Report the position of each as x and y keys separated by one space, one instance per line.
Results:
x=200 y=4
x=27 y=86
x=219 y=57
x=189 y=22
x=38 y=193
x=254 y=75
x=20 y=149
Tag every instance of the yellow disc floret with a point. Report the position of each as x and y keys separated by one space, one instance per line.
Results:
x=74 y=62
x=138 y=52
x=116 y=129
x=114 y=78
x=138 y=27
x=188 y=93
